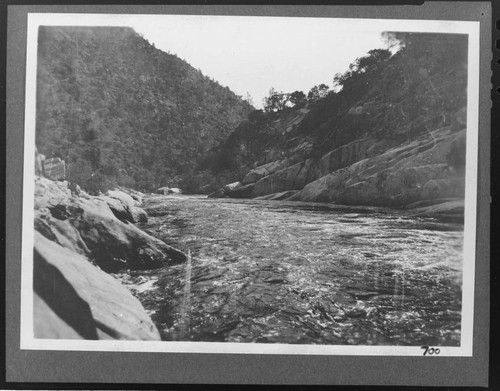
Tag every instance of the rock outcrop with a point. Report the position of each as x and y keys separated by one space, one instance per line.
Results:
x=365 y=172
x=415 y=171
x=392 y=133
x=78 y=240
x=89 y=227
x=124 y=207
x=73 y=299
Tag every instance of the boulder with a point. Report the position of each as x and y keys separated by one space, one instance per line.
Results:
x=163 y=190
x=138 y=215
x=231 y=187
x=89 y=227
x=169 y=190
x=124 y=206
x=55 y=169
x=136 y=195
x=124 y=198
x=49 y=193
x=75 y=300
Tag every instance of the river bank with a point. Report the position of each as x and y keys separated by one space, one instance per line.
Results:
x=262 y=270
x=79 y=240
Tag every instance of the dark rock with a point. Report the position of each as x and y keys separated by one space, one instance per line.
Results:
x=242 y=192
x=75 y=300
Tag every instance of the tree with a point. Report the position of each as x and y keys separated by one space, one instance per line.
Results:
x=317 y=92
x=276 y=101
x=297 y=97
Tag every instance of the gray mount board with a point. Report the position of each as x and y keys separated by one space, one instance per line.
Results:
x=128 y=367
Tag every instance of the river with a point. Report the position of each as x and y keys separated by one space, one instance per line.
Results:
x=302 y=273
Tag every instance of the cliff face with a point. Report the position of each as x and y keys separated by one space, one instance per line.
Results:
x=392 y=133
x=119 y=111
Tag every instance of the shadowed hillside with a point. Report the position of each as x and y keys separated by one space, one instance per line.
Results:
x=391 y=132
x=121 y=112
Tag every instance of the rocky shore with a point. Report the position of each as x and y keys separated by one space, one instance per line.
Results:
x=79 y=239
x=364 y=172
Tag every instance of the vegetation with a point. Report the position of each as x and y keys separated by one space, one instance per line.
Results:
x=121 y=112
x=396 y=94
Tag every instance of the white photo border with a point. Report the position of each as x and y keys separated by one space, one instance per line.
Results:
x=27 y=340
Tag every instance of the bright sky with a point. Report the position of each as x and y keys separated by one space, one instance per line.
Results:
x=251 y=54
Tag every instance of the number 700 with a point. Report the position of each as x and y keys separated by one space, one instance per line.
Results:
x=430 y=351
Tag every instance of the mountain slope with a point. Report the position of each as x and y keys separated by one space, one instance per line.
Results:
x=120 y=111
x=392 y=133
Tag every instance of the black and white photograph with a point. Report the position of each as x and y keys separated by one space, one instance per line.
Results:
x=250 y=184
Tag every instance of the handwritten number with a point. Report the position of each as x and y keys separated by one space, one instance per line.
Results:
x=430 y=351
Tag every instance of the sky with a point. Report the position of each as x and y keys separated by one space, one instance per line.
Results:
x=252 y=54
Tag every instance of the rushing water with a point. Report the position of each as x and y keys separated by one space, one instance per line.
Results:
x=275 y=271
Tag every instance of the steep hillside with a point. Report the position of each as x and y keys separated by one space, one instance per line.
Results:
x=121 y=112
x=392 y=132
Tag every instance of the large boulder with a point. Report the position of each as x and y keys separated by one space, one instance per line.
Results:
x=75 y=300
x=55 y=169
x=124 y=206
x=49 y=193
x=136 y=195
x=231 y=187
x=89 y=227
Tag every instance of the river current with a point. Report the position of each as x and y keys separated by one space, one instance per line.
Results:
x=302 y=273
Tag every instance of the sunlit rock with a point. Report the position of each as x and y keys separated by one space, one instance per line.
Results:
x=75 y=300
